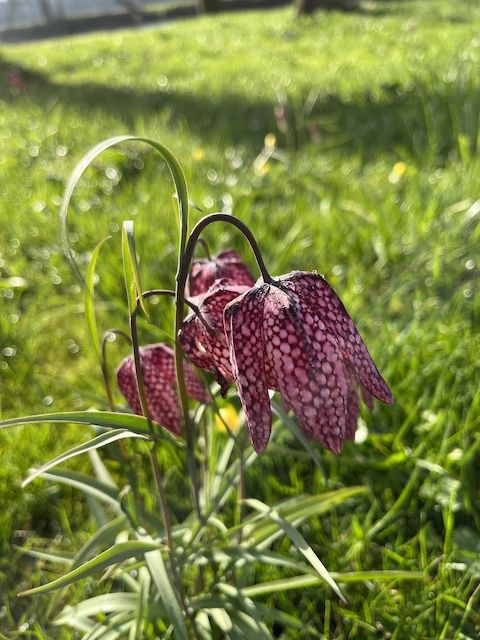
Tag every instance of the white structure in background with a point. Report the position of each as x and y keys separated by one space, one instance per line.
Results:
x=16 y=14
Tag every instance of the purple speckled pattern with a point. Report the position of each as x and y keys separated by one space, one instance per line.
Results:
x=227 y=266
x=202 y=337
x=295 y=336
x=158 y=369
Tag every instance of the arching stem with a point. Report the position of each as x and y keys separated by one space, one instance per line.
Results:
x=185 y=260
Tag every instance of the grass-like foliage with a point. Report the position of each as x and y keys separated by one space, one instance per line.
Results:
x=348 y=143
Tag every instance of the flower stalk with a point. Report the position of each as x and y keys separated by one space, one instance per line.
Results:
x=186 y=253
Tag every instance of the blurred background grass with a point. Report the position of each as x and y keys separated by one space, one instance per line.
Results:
x=373 y=120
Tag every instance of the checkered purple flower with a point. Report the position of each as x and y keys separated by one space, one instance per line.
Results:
x=294 y=336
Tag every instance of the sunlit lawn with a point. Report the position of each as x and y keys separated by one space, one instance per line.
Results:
x=374 y=182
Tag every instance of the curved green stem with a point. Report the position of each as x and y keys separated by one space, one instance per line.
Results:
x=187 y=250
x=236 y=222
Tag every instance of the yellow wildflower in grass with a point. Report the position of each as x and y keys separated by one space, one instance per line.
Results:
x=270 y=141
x=228 y=416
x=198 y=154
x=398 y=171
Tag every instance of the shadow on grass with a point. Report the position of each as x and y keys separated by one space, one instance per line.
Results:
x=63 y=27
x=418 y=119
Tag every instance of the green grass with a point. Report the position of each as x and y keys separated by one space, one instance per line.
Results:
x=397 y=82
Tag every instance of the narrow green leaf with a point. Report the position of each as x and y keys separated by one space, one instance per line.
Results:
x=90 y=299
x=221 y=618
x=110 y=419
x=104 y=535
x=116 y=554
x=48 y=556
x=243 y=555
x=298 y=433
x=131 y=272
x=100 y=471
x=87 y=484
x=203 y=625
x=117 y=626
x=100 y=441
x=248 y=627
x=296 y=510
x=308 y=580
x=243 y=611
x=165 y=589
x=299 y=542
x=173 y=166
x=106 y=603
x=144 y=580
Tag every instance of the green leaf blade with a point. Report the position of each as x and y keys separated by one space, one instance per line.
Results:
x=115 y=555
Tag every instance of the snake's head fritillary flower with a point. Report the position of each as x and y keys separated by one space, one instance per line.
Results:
x=294 y=336
x=227 y=266
x=202 y=336
x=158 y=370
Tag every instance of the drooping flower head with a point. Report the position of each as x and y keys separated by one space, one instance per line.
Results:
x=294 y=336
x=202 y=336
x=158 y=369
x=227 y=266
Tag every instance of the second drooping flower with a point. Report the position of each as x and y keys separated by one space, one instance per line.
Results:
x=158 y=371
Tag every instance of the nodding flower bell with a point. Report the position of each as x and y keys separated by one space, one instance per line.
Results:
x=159 y=378
x=227 y=266
x=294 y=335
x=202 y=336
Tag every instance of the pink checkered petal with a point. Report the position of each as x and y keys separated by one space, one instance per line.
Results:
x=192 y=339
x=320 y=297
x=243 y=326
x=307 y=369
x=202 y=336
x=194 y=385
x=367 y=398
x=158 y=370
x=227 y=265
x=352 y=404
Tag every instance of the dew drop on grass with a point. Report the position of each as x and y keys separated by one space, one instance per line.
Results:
x=208 y=202
x=47 y=401
x=9 y=352
x=73 y=346
x=212 y=175
x=61 y=151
